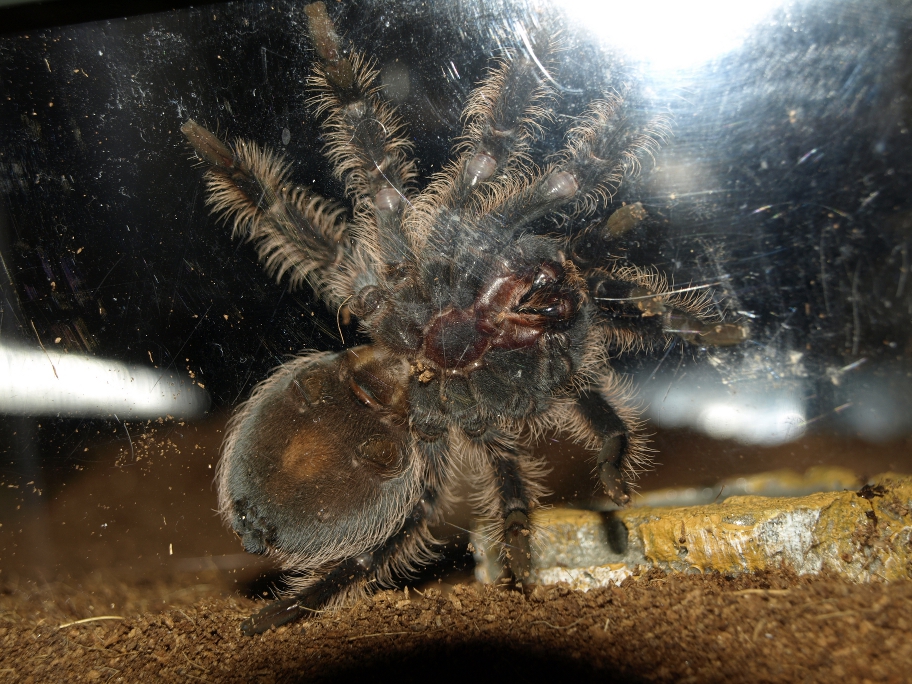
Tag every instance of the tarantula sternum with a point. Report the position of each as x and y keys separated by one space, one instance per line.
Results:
x=485 y=332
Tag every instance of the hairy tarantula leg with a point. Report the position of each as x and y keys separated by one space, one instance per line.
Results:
x=606 y=147
x=517 y=537
x=613 y=462
x=636 y=301
x=296 y=232
x=366 y=144
x=304 y=602
x=512 y=493
x=502 y=115
x=601 y=151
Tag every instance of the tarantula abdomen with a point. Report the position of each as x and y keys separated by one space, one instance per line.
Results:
x=320 y=458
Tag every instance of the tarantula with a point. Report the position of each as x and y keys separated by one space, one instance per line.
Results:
x=486 y=331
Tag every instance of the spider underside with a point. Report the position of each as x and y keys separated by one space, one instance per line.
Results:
x=486 y=333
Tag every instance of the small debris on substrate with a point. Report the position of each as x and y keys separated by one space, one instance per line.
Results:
x=772 y=627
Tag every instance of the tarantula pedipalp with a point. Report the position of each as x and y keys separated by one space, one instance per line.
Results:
x=485 y=332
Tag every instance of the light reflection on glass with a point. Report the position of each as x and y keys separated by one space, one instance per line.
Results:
x=37 y=382
x=670 y=35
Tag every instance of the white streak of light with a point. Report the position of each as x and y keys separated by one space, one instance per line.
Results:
x=89 y=387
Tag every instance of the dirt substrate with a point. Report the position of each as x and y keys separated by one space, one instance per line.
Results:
x=770 y=628
x=128 y=530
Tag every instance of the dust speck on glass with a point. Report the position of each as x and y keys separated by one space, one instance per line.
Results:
x=453 y=238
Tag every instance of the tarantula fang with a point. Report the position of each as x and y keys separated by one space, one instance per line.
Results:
x=486 y=331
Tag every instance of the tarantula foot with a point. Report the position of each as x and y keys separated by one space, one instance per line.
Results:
x=609 y=459
x=614 y=484
x=519 y=548
x=724 y=334
x=307 y=601
x=275 y=614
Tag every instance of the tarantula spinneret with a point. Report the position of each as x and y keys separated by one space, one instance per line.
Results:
x=486 y=331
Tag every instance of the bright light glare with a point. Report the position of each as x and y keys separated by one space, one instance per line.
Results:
x=671 y=34
x=750 y=413
x=768 y=422
x=34 y=382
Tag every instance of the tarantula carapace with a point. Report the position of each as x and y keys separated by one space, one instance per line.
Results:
x=486 y=331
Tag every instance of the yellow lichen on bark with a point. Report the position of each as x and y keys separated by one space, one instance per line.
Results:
x=842 y=532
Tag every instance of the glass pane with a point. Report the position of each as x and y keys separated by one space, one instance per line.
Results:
x=771 y=199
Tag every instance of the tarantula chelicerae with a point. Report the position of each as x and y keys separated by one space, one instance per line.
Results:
x=485 y=332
